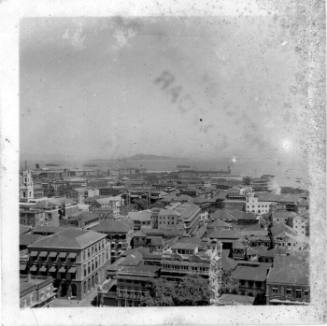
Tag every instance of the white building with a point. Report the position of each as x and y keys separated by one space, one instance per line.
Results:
x=254 y=205
x=112 y=202
x=300 y=224
x=26 y=186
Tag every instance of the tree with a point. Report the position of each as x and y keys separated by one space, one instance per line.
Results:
x=191 y=291
x=246 y=181
x=161 y=293
x=228 y=285
x=141 y=203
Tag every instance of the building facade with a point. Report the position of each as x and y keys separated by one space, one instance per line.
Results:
x=73 y=258
x=36 y=292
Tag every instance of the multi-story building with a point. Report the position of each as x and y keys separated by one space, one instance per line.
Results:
x=175 y=267
x=26 y=186
x=134 y=284
x=255 y=205
x=170 y=218
x=141 y=219
x=282 y=216
x=251 y=278
x=73 y=258
x=190 y=215
x=117 y=234
x=32 y=216
x=113 y=202
x=288 y=281
x=36 y=292
x=300 y=224
x=80 y=194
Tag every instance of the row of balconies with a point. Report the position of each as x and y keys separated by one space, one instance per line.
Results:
x=185 y=271
x=130 y=294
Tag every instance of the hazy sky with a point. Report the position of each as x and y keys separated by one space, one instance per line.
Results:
x=89 y=88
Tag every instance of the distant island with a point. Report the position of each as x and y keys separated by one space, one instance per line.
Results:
x=147 y=157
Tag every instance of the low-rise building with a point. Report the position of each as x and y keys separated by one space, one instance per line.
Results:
x=82 y=219
x=251 y=278
x=31 y=216
x=287 y=238
x=288 y=281
x=226 y=237
x=36 y=292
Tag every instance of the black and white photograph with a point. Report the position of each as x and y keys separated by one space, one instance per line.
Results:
x=171 y=161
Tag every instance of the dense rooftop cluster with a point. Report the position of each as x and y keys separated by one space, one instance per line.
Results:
x=131 y=238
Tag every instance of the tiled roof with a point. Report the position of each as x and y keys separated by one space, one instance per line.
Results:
x=218 y=223
x=228 y=263
x=139 y=233
x=174 y=197
x=140 y=215
x=70 y=238
x=47 y=229
x=283 y=214
x=223 y=234
x=290 y=270
x=185 y=245
x=250 y=273
x=157 y=241
x=27 y=239
x=139 y=270
x=168 y=211
x=187 y=209
x=263 y=251
x=238 y=244
x=83 y=216
x=111 y=226
x=271 y=197
x=107 y=200
x=24 y=228
x=281 y=228
x=232 y=215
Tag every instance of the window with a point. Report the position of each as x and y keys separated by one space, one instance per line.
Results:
x=288 y=292
x=306 y=293
x=274 y=290
x=298 y=294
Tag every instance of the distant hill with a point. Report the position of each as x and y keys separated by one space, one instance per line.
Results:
x=147 y=157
